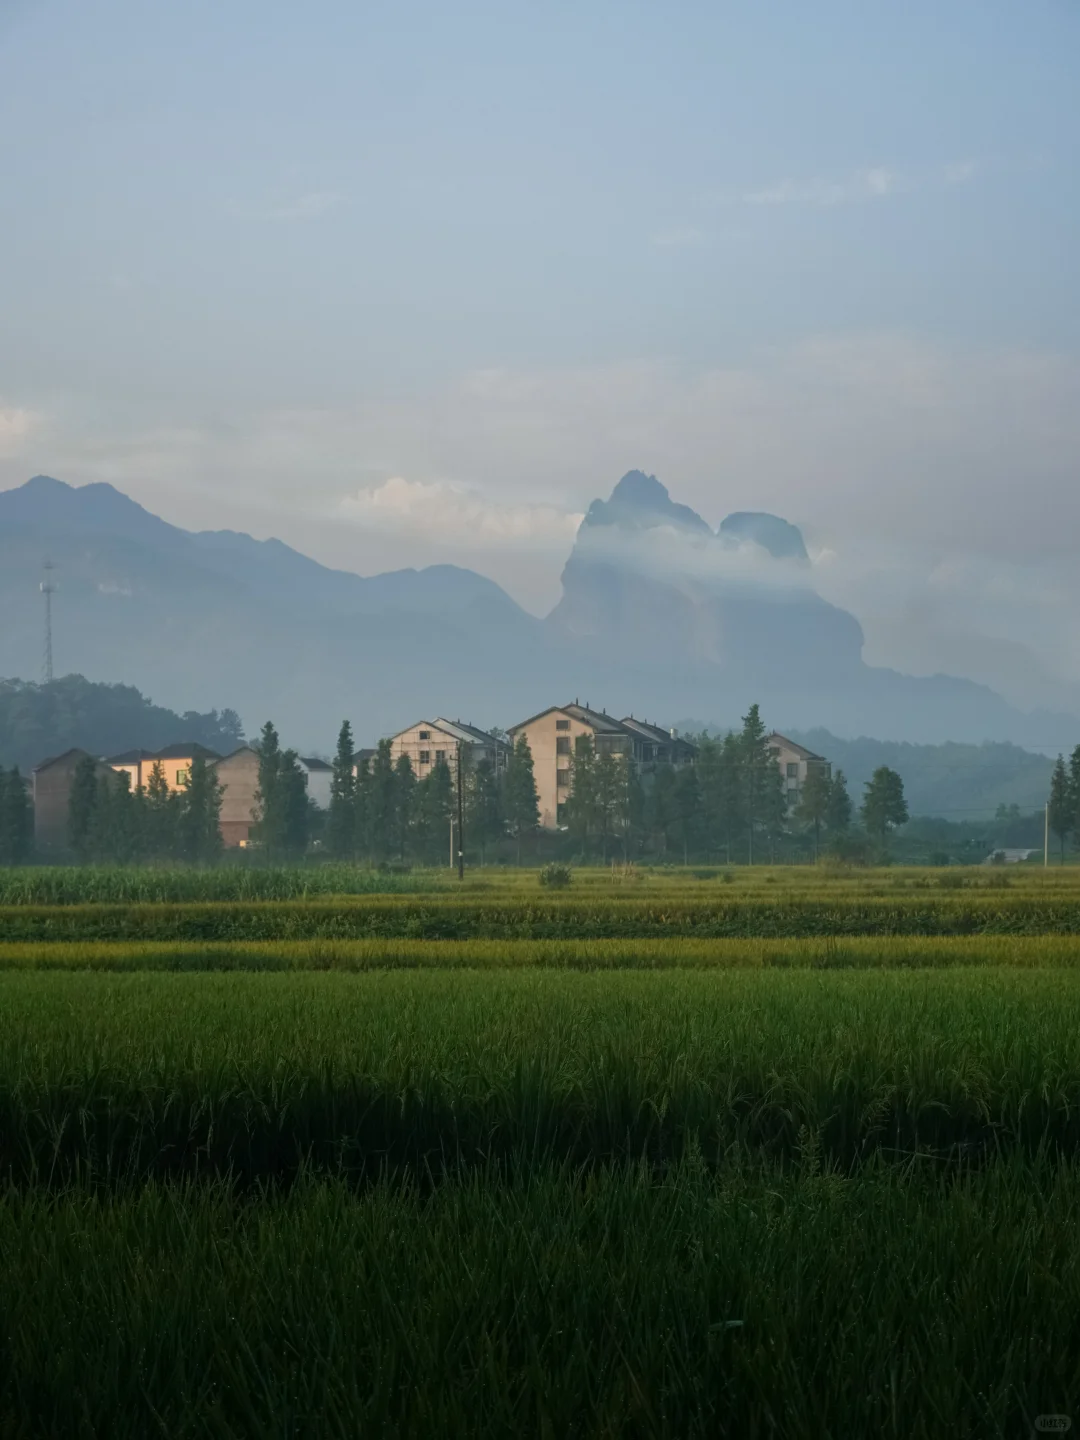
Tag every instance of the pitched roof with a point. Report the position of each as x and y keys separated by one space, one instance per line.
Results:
x=240 y=750
x=657 y=733
x=597 y=720
x=66 y=755
x=799 y=750
x=130 y=757
x=472 y=733
x=315 y=764
x=186 y=752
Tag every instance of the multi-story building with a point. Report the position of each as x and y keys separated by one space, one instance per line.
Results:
x=52 y=781
x=429 y=741
x=795 y=763
x=175 y=763
x=238 y=776
x=552 y=736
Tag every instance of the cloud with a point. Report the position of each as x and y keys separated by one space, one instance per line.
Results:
x=875 y=183
x=687 y=237
x=458 y=516
x=16 y=425
x=941 y=480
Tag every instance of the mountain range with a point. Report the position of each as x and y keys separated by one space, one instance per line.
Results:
x=660 y=615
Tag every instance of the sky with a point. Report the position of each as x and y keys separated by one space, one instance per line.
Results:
x=415 y=283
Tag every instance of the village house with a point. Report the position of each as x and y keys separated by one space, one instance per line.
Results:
x=795 y=763
x=553 y=733
x=238 y=776
x=429 y=741
x=52 y=781
x=175 y=763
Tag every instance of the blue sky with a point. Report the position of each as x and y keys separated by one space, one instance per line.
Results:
x=416 y=282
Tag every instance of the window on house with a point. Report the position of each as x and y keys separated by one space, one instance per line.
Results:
x=562 y=779
x=425 y=757
x=562 y=745
x=181 y=777
x=793 y=770
x=562 y=724
x=439 y=755
x=425 y=734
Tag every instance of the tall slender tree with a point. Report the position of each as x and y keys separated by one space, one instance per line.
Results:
x=295 y=807
x=838 y=810
x=813 y=808
x=581 y=804
x=1060 y=814
x=362 y=809
x=199 y=818
x=687 y=810
x=405 y=783
x=383 y=802
x=661 y=807
x=521 y=801
x=435 y=807
x=883 y=806
x=341 y=821
x=161 y=811
x=82 y=807
x=269 y=827
x=16 y=819
x=484 y=824
x=762 y=781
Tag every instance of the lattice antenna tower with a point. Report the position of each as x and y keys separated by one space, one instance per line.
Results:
x=48 y=589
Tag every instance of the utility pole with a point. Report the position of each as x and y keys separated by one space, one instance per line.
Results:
x=1046 y=835
x=460 y=814
x=48 y=589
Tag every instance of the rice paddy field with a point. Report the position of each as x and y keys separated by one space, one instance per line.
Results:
x=677 y=1153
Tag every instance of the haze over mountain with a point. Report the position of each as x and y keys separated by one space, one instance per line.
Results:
x=659 y=614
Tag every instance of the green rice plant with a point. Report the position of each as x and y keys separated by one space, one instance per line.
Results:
x=894 y=1304
x=124 y=1077
x=522 y=916
x=854 y=952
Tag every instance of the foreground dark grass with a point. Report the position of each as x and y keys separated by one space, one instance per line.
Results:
x=897 y=1303
x=124 y=1077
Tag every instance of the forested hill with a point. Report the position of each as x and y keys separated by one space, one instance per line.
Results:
x=39 y=721
x=955 y=781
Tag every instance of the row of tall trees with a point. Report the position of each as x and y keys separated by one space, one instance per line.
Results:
x=16 y=819
x=381 y=810
x=731 y=804
x=1063 y=814
x=109 y=822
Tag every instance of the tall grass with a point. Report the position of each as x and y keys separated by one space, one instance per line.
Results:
x=125 y=1077
x=120 y=885
x=798 y=1305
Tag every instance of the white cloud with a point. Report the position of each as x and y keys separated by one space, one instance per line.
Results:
x=875 y=183
x=457 y=516
x=942 y=480
x=961 y=173
x=16 y=425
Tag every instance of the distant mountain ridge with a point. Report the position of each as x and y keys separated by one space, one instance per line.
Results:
x=659 y=613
